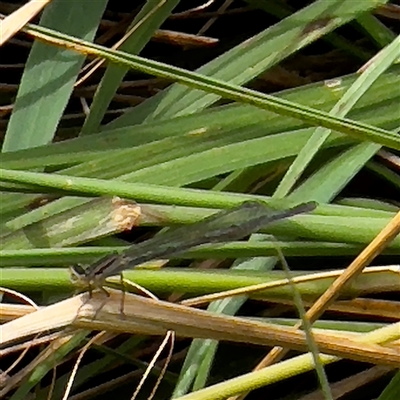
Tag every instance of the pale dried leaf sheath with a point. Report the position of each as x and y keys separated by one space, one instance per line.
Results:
x=19 y=18
x=154 y=317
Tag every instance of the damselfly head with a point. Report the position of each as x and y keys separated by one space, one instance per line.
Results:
x=78 y=275
x=86 y=278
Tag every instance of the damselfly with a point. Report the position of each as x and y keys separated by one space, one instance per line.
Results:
x=224 y=226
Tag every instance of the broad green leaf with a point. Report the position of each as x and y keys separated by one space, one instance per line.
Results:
x=50 y=74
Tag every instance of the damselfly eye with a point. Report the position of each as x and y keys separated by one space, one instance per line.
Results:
x=77 y=271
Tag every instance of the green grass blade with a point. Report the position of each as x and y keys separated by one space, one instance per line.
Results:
x=375 y=29
x=391 y=391
x=248 y=60
x=50 y=74
x=150 y=18
x=227 y=90
x=376 y=68
x=377 y=107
